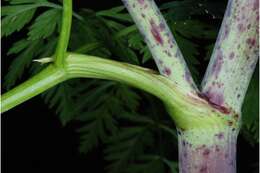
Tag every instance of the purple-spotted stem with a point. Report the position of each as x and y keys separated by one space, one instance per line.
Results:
x=234 y=57
x=209 y=150
x=161 y=42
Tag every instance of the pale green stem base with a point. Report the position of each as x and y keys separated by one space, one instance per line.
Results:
x=207 y=150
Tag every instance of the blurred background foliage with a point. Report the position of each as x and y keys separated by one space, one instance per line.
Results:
x=133 y=127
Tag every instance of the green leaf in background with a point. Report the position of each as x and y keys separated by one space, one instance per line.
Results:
x=195 y=29
x=22 y=61
x=60 y=97
x=18 y=46
x=26 y=49
x=250 y=111
x=123 y=147
x=115 y=13
x=25 y=1
x=16 y=21
x=45 y=24
x=181 y=10
x=103 y=102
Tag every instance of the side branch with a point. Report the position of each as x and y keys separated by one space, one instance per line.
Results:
x=187 y=110
x=235 y=55
x=161 y=42
x=64 y=34
x=44 y=80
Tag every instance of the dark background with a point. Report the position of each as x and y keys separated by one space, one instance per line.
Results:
x=33 y=139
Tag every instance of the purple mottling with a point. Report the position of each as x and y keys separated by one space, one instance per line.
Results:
x=217 y=63
x=231 y=55
x=206 y=152
x=256 y=5
x=141 y=2
x=187 y=76
x=156 y=33
x=162 y=26
x=241 y=27
x=216 y=98
x=226 y=32
x=220 y=135
x=208 y=158
x=251 y=42
x=204 y=169
x=167 y=71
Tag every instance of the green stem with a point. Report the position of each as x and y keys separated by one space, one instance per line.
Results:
x=65 y=33
x=187 y=110
x=32 y=87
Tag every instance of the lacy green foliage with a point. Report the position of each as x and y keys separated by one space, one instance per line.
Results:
x=19 y=13
x=181 y=10
x=27 y=51
x=113 y=114
x=41 y=31
x=103 y=35
x=63 y=103
x=104 y=101
x=132 y=148
x=49 y=20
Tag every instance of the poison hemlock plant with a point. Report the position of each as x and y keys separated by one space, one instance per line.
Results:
x=207 y=118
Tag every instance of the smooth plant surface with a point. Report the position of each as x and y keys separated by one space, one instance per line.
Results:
x=207 y=118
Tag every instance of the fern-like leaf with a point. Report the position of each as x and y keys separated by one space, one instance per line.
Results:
x=16 y=21
x=45 y=24
x=21 y=62
x=250 y=111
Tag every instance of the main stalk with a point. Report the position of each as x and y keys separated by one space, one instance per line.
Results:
x=207 y=150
